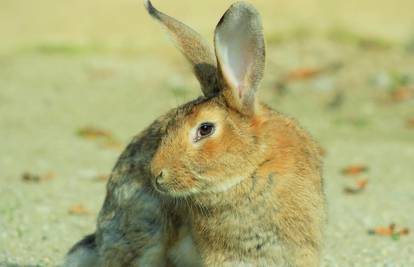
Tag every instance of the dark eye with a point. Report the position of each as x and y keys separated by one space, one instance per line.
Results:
x=205 y=129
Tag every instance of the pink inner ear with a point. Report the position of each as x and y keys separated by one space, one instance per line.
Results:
x=231 y=74
x=234 y=50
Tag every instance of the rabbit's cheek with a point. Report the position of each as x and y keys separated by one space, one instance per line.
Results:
x=225 y=185
x=183 y=185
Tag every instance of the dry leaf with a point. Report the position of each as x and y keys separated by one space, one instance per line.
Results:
x=78 y=209
x=105 y=138
x=389 y=231
x=410 y=123
x=402 y=94
x=354 y=170
x=30 y=177
x=93 y=133
x=102 y=178
x=384 y=231
x=362 y=183
x=404 y=231
x=352 y=191
x=302 y=74
x=35 y=178
x=360 y=186
x=307 y=73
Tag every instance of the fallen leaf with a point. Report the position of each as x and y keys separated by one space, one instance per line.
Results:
x=36 y=178
x=93 y=133
x=307 y=73
x=299 y=74
x=402 y=93
x=354 y=170
x=352 y=190
x=385 y=231
x=78 y=209
x=404 y=231
x=302 y=74
x=410 y=123
x=30 y=177
x=360 y=186
x=102 y=178
x=389 y=231
x=362 y=183
x=105 y=138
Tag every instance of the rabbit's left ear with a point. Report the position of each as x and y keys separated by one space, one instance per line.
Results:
x=240 y=52
x=198 y=52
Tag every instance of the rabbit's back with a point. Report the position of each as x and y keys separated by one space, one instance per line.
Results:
x=130 y=221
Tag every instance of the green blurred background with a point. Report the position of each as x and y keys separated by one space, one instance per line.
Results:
x=79 y=78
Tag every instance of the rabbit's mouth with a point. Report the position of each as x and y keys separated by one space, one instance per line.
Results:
x=161 y=189
x=174 y=187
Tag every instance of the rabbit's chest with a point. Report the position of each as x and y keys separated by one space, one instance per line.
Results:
x=252 y=240
x=252 y=235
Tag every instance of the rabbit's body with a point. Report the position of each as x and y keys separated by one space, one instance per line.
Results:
x=219 y=181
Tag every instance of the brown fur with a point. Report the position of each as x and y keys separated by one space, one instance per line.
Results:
x=249 y=194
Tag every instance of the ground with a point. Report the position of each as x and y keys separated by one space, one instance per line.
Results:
x=350 y=86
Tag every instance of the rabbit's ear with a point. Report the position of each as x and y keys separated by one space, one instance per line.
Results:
x=240 y=52
x=193 y=46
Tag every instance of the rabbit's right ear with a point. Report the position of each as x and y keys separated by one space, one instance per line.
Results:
x=193 y=46
x=240 y=52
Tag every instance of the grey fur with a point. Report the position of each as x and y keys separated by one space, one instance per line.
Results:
x=134 y=224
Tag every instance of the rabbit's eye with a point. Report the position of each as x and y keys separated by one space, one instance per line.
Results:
x=205 y=129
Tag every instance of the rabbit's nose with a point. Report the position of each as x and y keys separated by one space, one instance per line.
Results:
x=159 y=180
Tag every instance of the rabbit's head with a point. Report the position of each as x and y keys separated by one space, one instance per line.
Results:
x=211 y=144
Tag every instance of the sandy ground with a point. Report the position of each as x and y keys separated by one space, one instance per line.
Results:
x=48 y=91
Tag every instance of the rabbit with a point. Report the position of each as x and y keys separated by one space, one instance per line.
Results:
x=222 y=180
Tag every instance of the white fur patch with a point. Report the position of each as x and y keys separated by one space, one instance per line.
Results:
x=226 y=185
x=184 y=254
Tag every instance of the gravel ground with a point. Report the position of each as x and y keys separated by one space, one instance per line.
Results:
x=48 y=93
